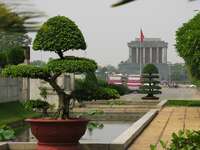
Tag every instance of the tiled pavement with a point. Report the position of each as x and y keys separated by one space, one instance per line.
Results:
x=169 y=120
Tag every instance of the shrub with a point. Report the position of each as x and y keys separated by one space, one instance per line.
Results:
x=83 y=94
x=37 y=105
x=102 y=83
x=105 y=93
x=184 y=140
x=94 y=90
x=122 y=90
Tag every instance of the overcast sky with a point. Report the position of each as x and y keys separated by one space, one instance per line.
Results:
x=107 y=30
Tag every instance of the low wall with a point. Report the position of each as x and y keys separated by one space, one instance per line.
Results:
x=11 y=89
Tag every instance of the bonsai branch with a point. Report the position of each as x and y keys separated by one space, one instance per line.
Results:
x=55 y=76
x=60 y=54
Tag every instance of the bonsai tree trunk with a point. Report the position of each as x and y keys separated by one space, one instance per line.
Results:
x=64 y=100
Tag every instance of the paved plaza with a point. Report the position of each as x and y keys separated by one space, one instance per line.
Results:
x=170 y=94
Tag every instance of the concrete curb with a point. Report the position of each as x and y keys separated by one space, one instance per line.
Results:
x=126 y=138
x=162 y=104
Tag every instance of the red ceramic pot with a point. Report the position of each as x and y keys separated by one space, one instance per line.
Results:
x=55 y=134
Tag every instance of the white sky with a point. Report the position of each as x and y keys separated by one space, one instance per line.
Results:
x=107 y=30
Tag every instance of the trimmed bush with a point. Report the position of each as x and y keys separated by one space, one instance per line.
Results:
x=121 y=89
x=105 y=93
x=150 y=82
x=85 y=91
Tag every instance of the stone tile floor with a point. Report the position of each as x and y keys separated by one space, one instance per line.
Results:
x=169 y=120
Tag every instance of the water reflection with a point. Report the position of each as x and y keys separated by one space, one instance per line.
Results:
x=108 y=133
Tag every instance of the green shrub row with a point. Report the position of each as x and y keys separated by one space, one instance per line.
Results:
x=190 y=103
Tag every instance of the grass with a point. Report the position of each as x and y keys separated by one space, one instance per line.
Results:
x=13 y=112
x=188 y=103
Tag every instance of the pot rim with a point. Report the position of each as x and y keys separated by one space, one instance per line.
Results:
x=51 y=120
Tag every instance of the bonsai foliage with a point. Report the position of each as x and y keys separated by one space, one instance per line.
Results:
x=150 y=87
x=188 y=46
x=58 y=34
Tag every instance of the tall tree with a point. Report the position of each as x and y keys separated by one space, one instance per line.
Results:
x=188 y=46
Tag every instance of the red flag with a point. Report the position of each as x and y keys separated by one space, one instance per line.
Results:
x=141 y=36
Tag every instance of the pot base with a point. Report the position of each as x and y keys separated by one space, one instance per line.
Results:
x=47 y=146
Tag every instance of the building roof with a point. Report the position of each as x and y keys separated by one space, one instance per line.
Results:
x=148 y=42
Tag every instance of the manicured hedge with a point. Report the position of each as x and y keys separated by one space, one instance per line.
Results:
x=189 y=103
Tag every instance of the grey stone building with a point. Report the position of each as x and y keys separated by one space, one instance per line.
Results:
x=151 y=50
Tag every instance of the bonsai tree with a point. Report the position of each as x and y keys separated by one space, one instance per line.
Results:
x=150 y=87
x=188 y=47
x=59 y=34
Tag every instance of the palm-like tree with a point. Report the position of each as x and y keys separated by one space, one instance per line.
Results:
x=13 y=19
x=122 y=2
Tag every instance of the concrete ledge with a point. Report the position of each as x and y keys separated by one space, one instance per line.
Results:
x=126 y=138
x=3 y=146
x=22 y=145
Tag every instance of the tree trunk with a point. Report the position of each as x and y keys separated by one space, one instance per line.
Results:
x=64 y=100
x=63 y=105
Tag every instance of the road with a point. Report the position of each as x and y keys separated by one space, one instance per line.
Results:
x=170 y=93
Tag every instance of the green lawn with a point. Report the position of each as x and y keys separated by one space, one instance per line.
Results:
x=188 y=103
x=14 y=111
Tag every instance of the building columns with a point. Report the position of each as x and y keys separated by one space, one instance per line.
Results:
x=150 y=54
x=130 y=55
x=143 y=58
x=165 y=49
x=137 y=55
x=157 y=55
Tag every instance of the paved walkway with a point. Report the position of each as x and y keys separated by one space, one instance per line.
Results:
x=169 y=120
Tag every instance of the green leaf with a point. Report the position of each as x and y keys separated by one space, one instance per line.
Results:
x=8 y=134
x=153 y=147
